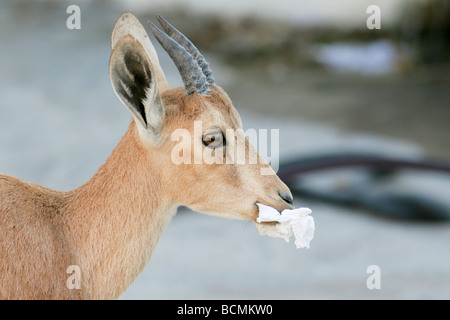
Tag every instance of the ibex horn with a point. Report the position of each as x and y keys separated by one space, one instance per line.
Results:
x=190 y=63
x=189 y=46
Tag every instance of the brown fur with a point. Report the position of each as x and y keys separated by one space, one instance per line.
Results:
x=110 y=226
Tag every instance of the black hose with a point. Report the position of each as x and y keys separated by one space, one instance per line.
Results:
x=398 y=205
x=290 y=169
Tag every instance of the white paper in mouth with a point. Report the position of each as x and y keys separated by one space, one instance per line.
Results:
x=295 y=222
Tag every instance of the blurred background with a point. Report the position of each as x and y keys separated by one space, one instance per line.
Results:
x=312 y=69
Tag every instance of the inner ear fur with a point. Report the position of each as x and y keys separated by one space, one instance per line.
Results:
x=131 y=76
x=129 y=25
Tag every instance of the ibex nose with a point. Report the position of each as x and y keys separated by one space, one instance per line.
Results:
x=286 y=197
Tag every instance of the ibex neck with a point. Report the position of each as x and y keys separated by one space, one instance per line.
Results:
x=118 y=217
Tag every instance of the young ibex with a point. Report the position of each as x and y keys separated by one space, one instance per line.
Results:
x=109 y=226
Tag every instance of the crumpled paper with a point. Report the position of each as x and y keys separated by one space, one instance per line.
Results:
x=295 y=222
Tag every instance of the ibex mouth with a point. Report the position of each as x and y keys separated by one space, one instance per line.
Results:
x=297 y=222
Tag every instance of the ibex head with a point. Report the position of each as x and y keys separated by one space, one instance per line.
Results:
x=200 y=114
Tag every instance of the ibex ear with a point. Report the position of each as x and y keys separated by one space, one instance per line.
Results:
x=134 y=82
x=128 y=24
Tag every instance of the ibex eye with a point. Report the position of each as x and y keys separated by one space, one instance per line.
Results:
x=214 y=139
